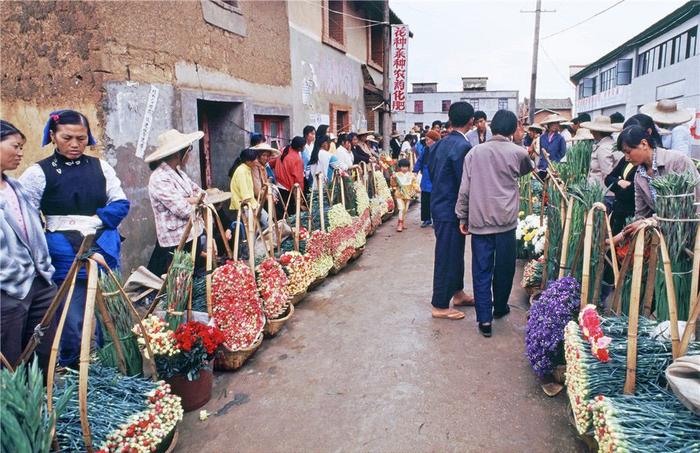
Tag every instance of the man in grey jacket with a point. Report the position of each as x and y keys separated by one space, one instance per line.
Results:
x=487 y=208
x=26 y=288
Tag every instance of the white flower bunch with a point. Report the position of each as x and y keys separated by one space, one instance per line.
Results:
x=361 y=196
x=162 y=340
x=531 y=233
x=338 y=217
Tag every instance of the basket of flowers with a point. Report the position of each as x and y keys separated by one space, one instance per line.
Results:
x=300 y=274
x=237 y=310
x=532 y=276
x=319 y=250
x=344 y=236
x=383 y=191
x=272 y=286
x=530 y=236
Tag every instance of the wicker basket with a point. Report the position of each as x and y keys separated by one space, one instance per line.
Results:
x=358 y=253
x=295 y=299
x=168 y=444
x=272 y=326
x=386 y=217
x=318 y=281
x=228 y=360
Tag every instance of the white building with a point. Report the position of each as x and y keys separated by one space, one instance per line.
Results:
x=662 y=62
x=426 y=104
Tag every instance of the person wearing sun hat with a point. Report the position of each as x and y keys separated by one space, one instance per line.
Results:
x=260 y=170
x=78 y=195
x=173 y=196
x=667 y=115
x=604 y=158
x=551 y=142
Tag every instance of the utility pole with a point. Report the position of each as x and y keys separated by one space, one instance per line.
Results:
x=385 y=112
x=535 y=48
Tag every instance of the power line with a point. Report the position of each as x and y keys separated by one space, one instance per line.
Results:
x=376 y=22
x=584 y=20
x=554 y=65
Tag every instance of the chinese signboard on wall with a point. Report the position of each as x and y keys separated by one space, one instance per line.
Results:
x=399 y=60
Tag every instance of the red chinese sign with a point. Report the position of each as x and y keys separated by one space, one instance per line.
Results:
x=399 y=60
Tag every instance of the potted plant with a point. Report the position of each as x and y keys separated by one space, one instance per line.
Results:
x=183 y=357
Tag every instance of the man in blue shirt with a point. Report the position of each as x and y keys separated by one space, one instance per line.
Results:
x=552 y=142
x=445 y=166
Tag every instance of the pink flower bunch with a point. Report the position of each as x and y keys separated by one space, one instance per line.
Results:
x=147 y=429
x=589 y=321
x=236 y=307
x=272 y=285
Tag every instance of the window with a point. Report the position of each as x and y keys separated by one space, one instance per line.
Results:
x=502 y=103
x=417 y=106
x=474 y=102
x=340 y=119
x=670 y=52
x=608 y=79
x=623 y=72
x=334 y=30
x=225 y=14
x=446 y=103
x=376 y=46
x=587 y=87
x=272 y=127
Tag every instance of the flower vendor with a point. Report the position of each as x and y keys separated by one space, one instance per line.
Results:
x=25 y=264
x=78 y=195
x=604 y=157
x=487 y=208
x=289 y=170
x=173 y=196
x=405 y=188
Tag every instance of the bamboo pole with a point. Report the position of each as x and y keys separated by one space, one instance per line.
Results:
x=696 y=270
x=670 y=296
x=6 y=363
x=297 y=223
x=109 y=325
x=251 y=238
x=274 y=228
x=85 y=341
x=586 y=270
x=210 y=255
x=651 y=274
x=690 y=326
x=631 y=367
x=237 y=235
x=565 y=238
x=320 y=206
x=620 y=281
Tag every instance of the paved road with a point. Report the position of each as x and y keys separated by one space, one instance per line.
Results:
x=363 y=367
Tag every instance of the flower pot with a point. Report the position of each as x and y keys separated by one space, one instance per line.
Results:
x=227 y=360
x=194 y=394
x=272 y=326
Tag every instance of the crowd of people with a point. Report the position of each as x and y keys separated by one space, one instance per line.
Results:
x=466 y=173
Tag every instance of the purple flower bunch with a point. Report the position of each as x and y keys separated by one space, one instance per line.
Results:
x=544 y=334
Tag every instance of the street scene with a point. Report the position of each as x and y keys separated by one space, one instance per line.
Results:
x=357 y=226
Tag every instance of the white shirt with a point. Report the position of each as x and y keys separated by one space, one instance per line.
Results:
x=345 y=158
x=679 y=139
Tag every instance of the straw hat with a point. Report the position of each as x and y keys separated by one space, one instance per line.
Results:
x=265 y=148
x=536 y=127
x=601 y=124
x=215 y=195
x=395 y=135
x=172 y=141
x=581 y=134
x=372 y=138
x=364 y=131
x=666 y=111
x=553 y=118
x=332 y=136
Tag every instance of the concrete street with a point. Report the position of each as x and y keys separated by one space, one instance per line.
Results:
x=363 y=367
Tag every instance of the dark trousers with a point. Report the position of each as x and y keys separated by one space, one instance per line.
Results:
x=19 y=317
x=425 y=206
x=493 y=267
x=448 y=274
x=69 y=352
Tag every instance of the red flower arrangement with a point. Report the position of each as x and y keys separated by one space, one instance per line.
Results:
x=236 y=307
x=272 y=285
x=189 y=333
x=303 y=234
x=589 y=321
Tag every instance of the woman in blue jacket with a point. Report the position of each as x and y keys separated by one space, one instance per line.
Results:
x=426 y=185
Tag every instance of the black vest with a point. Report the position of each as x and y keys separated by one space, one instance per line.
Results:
x=73 y=187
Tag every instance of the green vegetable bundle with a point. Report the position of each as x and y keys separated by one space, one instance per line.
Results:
x=178 y=286
x=555 y=212
x=350 y=202
x=578 y=163
x=25 y=420
x=530 y=187
x=675 y=197
x=122 y=319
x=587 y=377
x=654 y=422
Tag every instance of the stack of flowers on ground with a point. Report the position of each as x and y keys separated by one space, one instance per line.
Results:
x=383 y=191
x=544 y=334
x=532 y=273
x=343 y=235
x=272 y=285
x=300 y=273
x=236 y=307
x=319 y=250
x=591 y=372
x=125 y=413
x=530 y=235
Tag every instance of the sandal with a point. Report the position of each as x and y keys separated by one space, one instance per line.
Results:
x=454 y=315
x=468 y=301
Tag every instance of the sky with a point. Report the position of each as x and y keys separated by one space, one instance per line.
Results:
x=491 y=38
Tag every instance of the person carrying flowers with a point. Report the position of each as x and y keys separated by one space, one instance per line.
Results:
x=405 y=188
x=78 y=195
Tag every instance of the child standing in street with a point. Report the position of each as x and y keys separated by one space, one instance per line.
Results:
x=405 y=187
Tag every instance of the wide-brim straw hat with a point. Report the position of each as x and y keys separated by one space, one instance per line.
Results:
x=265 y=148
x=172 y=141
x=666 y=111
x=215 y=195
x=395 y=135
x=581 y=134
x=372 y=138
x=536 y=126
x=601 y=124
x=553 y=118
x=364 y=132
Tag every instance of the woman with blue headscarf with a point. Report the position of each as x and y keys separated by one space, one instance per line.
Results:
x=78 y=195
